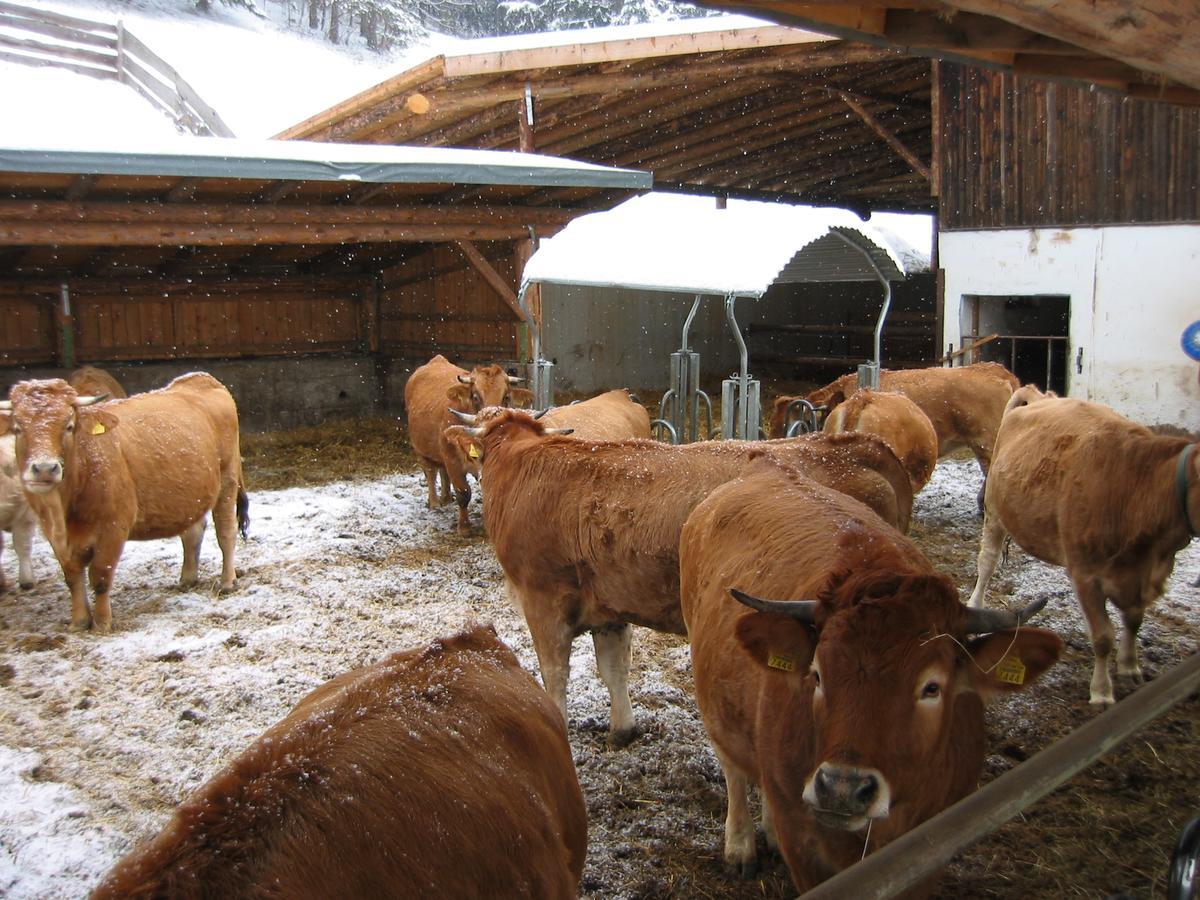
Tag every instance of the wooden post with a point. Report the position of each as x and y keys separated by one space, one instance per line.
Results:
x=525 y=121
x=533 y=294
x=66 y=329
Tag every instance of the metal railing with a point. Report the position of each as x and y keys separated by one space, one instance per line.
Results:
x=106 y=51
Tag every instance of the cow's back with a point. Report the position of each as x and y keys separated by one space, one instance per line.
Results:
x=898 y=422
x=90 y=381
x=964 y=403
x=425 y=404
x=439 y=772
x=611 y=416
x=174 y=447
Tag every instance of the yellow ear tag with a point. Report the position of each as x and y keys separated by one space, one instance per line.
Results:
x=1011 y=670
x=781 y=661
x=98 y=429
x=473 y=452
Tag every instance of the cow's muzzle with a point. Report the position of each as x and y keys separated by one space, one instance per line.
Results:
x=847 y=797
x=43 y=475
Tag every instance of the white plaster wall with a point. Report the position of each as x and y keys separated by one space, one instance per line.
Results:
x=1133 y=290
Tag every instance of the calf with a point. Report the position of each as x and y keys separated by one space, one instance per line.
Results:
x=441 y=771
x=149 y=466
x=898 y=422
x=587 y=532
x=431 y=391
x=15 y=515
x=1079 y=486
x=857 y=703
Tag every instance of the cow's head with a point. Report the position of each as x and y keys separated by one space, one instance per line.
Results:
x=883 y=683
x=487 y=427
x=48 y=418
x=487 y=386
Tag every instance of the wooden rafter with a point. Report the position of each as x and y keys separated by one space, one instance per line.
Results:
x=491 y=276
x=892 y=141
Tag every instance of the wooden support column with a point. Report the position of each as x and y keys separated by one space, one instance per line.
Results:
x=892 y=141
x=65 y=325
x=490 y=275
x=533 y=296
x=525 y=121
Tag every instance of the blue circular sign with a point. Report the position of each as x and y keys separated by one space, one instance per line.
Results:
x=1191 y=340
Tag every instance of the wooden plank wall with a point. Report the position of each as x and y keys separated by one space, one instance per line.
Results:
x=437 y=302
x=1016 y=151
x=147 y=320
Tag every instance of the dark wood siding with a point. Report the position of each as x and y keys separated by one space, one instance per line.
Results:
x=1019 y=152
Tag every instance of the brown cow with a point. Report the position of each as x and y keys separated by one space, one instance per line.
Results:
x=89 y=381
x=858 y=706
x=611 y=416
x=964 y=404
x=587 y=532
x=441 y=771
x=1079 y=486
x=15 y=515
x=146 y=467
x=431 y=391
x=898 y=422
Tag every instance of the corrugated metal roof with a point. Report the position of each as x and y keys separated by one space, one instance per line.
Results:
x=687 y=245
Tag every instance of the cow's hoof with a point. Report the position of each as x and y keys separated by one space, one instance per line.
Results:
x=226 y=589
x=1101 y=702
x=1132 y=679
x=102 y=627
x=744 y=868
x=81 y=625
x=25 y=585
x=623 y=738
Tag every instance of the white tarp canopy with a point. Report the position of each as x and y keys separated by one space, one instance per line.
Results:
x=685 y=244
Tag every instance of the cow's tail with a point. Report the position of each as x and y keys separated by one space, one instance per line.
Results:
x=243 y=512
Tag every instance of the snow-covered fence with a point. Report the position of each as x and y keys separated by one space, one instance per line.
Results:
x=103 y=50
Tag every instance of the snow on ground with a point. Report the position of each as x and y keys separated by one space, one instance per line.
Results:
x=100 y=736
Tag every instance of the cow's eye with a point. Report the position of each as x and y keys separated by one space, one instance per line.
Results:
x=931 y=690
x=816 y=677
x=70 y=427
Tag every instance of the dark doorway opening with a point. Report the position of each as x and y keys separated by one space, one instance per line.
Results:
x=1028 y=333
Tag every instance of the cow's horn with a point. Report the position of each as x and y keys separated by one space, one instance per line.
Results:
x=88 y=401
x=466 y=379
x=5 y=404
x=800 y=610
x=513 y=379
x=462 y=416
x=984 y=621
x=559 y=431
x=542 y=412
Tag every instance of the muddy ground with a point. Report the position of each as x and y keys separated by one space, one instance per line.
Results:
x=101 y=736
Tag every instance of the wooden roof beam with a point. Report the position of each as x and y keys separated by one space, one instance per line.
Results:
x=491 y=276
x=968 y=32
x=888 y=137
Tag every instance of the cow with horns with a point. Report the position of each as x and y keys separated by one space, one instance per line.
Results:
x=1054 y=487
x=587 y=532
x=146 y=467
x=854 y=698
x=432 y=390
x=442 y=771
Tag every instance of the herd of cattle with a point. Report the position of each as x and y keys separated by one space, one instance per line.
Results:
x=834 y=667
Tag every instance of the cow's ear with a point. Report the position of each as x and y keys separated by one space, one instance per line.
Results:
x=463 y=442
x=96 y=421
x=777 y=642
x=1009 y=661
x=460 y=396
x=520 y=398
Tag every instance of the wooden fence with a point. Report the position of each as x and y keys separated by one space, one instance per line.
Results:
x=106 y=51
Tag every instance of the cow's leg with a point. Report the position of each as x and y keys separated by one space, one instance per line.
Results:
x=225 y=524
x=1100 y=630
x=552 y=643
x=740 y=854
x=23 y=530
x=100 y=574
x=768 y=822
x=431 y=470
x=445 y=480
x=1128 y=665
x=462 y=493
x=614 y=648
x=991 y=541
x=72 y=569
x=191 y=538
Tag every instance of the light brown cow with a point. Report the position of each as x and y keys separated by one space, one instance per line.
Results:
x=442 y=771
x=146 y=467
x=89 y=381
x=898 y=422
x=431 y=391
x=15 y=515
x=587 y=532
x=964 y=404
x=1078 y=485
x=612 y=416
x=854 y=698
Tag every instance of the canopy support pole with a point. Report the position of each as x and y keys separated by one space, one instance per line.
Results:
x=539 y=369
x=868 y=375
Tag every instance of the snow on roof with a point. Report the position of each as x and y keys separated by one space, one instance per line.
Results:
x=686 y=244
x=210 y=157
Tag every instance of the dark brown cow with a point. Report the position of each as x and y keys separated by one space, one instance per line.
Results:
x=1078 y=485
x=431 y=391
x=964 y=404
x=898 y=422
x=438 y=772
x=146 y=467
x=587 y=532
x=858 y=709
x=89 y=381
x=611 y=416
